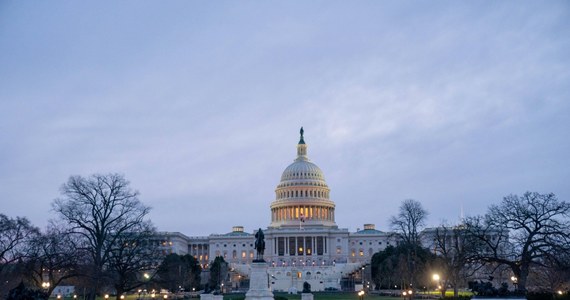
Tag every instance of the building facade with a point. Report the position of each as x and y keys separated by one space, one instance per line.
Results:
x=303 y=241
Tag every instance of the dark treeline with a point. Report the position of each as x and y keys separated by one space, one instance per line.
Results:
x=524 y=242
x=102 y=243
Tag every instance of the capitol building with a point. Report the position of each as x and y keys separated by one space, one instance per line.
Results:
x=302 y=242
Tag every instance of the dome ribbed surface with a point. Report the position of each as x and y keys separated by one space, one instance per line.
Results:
x=302 y=169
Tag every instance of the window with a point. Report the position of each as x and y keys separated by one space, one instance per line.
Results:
x=361 y=252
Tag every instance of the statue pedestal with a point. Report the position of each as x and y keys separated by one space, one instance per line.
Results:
x=259 y=283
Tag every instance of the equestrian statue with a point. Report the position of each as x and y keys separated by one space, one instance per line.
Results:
x=259 y=244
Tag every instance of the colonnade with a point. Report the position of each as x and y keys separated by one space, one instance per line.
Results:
x=316 y=193
x=308 y=212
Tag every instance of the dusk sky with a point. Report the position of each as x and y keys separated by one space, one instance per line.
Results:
x=199 y=104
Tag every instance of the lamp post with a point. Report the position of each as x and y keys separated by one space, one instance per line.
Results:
x=515 y=281
x=45 y=285
x=436 y=278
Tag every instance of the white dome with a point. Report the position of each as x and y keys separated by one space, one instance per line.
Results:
x=302 y=195
x=302 y=170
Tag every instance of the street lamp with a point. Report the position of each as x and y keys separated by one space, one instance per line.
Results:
x=106 y=296
x=361 y=295
x=515 y=281
x=436 y=278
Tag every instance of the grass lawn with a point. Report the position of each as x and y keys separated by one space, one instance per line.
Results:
x=322 y=296
x=317 y=296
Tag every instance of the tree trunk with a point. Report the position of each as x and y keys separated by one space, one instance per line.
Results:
x=521 y=279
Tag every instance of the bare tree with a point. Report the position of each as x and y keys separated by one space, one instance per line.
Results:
x=100 y=210
x=457 y=250
x=409 y=221
x=131 y=258
x=407 y=225
x=54 y=256
x=523 y=232
x=15 y=235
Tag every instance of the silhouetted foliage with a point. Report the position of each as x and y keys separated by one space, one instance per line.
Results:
x=218 y=272
x=179 y=270
x=22 y=292
x=405 y=264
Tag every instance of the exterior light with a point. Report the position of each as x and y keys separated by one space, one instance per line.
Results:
x=559 y=292
x=122 y=296
x=74 y=296
x=146 y=276
x=106 y=296
x=435 y=277
x=410 y=292
x=404 y=293
x=152 y=295
x=514 y=279
x=165 y=296
x=58 y=296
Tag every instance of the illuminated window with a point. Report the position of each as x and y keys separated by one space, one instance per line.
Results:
x=299 y=275
x=243 y=254
x=353 y=253
x=361 y=252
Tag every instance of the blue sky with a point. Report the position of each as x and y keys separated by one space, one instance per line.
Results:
x=452 y=103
